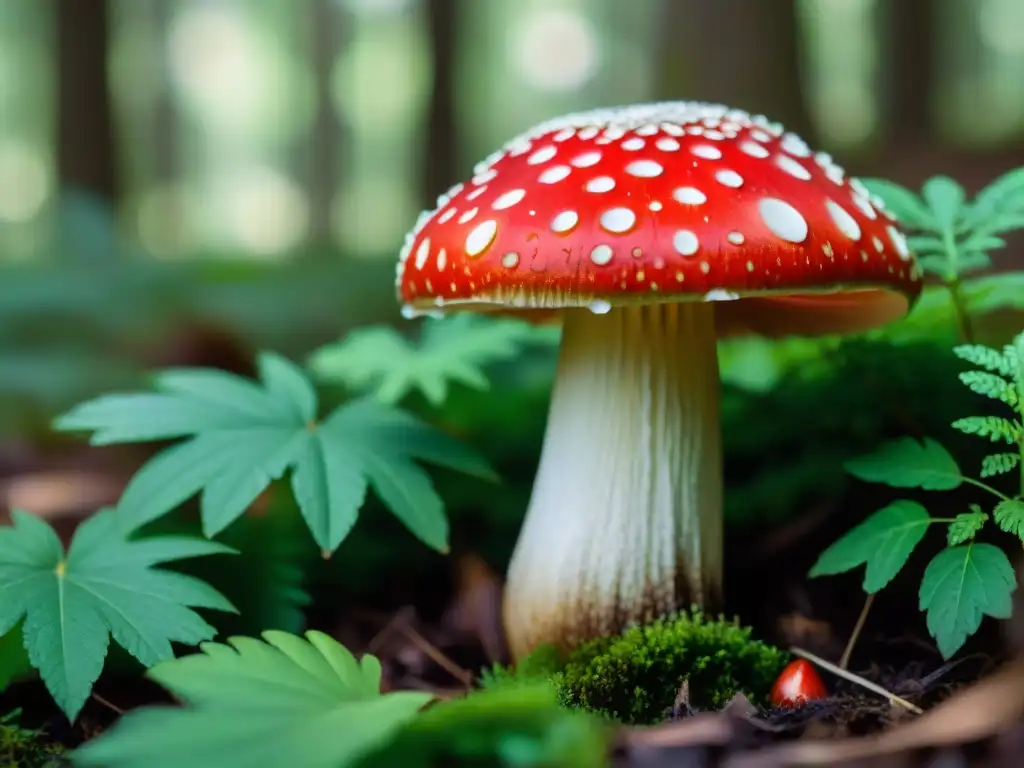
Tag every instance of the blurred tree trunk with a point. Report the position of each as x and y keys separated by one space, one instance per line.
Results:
x=322 y=162
x=910 y=50
x=440 y=156
x=85 y=143
x=743 y=53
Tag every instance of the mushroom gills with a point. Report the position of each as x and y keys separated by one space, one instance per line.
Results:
x=625 y=520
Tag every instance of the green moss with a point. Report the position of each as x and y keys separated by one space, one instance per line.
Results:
x=512 y=725
x=24 y=748
x=634 y=678
x=540 y=665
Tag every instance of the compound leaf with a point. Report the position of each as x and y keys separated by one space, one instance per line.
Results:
x=104 y=586
x=907 y=463
x=283 y=700
x=966 y=525
x=453 y=349
x=884 y=542
x=961 y=585
x=1009 y=515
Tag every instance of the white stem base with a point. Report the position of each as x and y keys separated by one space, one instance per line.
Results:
x=625 y=521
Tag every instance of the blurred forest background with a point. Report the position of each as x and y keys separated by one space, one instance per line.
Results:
x=185 y=181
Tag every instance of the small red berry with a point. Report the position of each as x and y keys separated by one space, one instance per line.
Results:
x=797 y=684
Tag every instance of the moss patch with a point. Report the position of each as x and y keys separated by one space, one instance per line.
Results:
x=634 y=678
x=24 y=748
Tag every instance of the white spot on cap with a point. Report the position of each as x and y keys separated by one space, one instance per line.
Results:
x=685 y=242
x=564 y=134
x=601 y=254
x=717 y=294
x=422 y=253
x=650 y=129
x=510 y=198
x=672 y=129
x=618 y=220
x=476 y=192
x=843 y=220
x=442 y=260
x=480 y=239
x=633 y=144
x=565 y=222
x=754 y=149
x=484 y=176
x=783 y=219
x=879 y=245
x=706 y=151
x=586 y=160
x=667 y=144
x=510 y=260
x=468 y=215
x=554 y=174
x=588 y=133
x=542 y=155
x=759 y=135
x=689 y=196
x=865 y=206
x=736 y=238
x=600 y=184
x=645 y=169
x=792 y=167
x=899 y=241
x=655 y=205
x=729 y=179
x=795 y=145
x=446 y=216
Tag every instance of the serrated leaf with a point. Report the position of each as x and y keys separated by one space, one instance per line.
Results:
x=961 y=585
x=1006 y=192
x=966 y=525
x=1009 y=515
x=985 y=357
x=454 y=349
x=945 y=197
x=999 y=464
x=990 y=385
x=105 y=586
x=927 y=244
x=231 y=459
x=980 y=241
x=902 y=203
x=907 y=463
x=996 y=429
x=884 y=542
x=285 y=701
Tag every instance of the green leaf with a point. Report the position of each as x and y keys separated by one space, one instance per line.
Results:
x=945 y=198
x=989 y=359
x=907 y=463
x=1001 y=223
x=106 y=586
x=961 y=585
x=990 y=385
x=966 y=525
x=243 y=436
x=979 y=241
x=1005 y=193
x=996 y=429
x=1009 y=515
x=285 y=701
x=902 y=203
x=454 y=349
x=972 y=261
x=999 y=464
x=884 y=541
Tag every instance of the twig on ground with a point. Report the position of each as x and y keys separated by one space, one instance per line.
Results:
x=862 y=682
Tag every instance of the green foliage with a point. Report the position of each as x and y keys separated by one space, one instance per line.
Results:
x=378 y=359
x=22 y=747
x=104 y=586
x=961 y=585
x=884 y=542
x=521 y=725
x=967 y=580
x=539 y=665
x=281 y=701
x=242 y=435
x=635 y=677
x=951 y=235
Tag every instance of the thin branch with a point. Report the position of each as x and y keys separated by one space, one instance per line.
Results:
x=844 y=660
x=862 y=682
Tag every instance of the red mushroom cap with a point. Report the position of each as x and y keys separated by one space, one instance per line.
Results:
x=797 y=684
x=672 y=201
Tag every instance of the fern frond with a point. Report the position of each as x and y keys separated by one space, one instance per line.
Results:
x=985 y=357
x=999 y=464
x=990 y=385
x=996 y=429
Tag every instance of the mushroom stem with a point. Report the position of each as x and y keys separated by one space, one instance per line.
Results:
x=625 y=520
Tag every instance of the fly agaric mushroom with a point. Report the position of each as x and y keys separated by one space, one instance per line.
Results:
x=653 y=230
